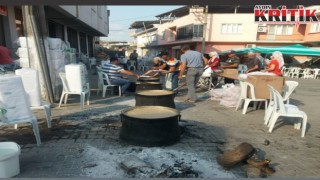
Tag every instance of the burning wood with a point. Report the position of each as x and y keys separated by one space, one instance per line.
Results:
x=233 y=157
x=246 y=153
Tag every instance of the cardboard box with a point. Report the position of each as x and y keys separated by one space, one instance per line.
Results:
x=230 y=73
x=261 y=82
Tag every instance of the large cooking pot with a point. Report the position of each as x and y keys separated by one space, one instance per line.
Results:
x=149 y=79
x=140 y=86
x=150 y=126
x=155 y=98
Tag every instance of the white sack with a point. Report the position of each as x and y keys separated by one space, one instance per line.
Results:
x=31 y=84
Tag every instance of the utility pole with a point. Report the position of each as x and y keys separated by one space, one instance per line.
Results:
x=204 y=29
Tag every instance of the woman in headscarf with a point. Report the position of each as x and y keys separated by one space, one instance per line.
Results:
x=214 y=60
x=275 y=64
x=214 y=63
x=158 y=62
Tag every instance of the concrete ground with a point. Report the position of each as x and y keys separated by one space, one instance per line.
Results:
x=209 y=129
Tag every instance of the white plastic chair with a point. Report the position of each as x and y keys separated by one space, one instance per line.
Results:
x=280 y=110
x=294 y=72
x=306 y=73
x=31 y=119
x=92 y=62
x=99 y=79
x=47 y=110
x=243 y=94
x=288 y=89
x=14 y=104
x=242 y=68
x=285 y=71
x=44 y=105
x=105 y=82
x=66 y=92
x=131 y=64
x=301 y=73
x=244 y=97
x=316 y=73
x=143 y=66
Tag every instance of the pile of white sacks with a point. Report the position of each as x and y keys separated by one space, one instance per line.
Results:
x=22 y=52
x=56 y=62
x=228 y=95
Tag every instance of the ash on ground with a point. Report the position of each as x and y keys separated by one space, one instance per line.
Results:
x=142 y=162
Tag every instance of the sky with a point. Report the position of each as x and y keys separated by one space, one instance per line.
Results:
x=121 y=17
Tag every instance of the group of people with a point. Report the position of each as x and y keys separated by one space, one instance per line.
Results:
x=193 y=62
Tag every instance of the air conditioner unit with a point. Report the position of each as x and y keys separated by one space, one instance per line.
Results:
x=250 y=46
x=262 y=29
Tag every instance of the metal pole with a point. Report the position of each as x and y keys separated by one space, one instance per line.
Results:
x=204 y=29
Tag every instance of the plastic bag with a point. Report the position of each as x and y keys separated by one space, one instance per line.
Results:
x=216 y=92
x=207 y=72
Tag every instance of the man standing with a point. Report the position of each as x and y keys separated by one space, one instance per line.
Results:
x=231 y=63
x=114 y=72
x=252 y=63
x=193 y=62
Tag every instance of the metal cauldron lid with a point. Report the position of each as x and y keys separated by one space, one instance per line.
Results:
x=155 y=92
x=150 y=112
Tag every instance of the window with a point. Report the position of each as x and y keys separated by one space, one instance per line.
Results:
x=153 y=37
x=280 y=29
x=73 y=38
x=315 y=27
x=56 y=30
x=189 y=31
x=231 y=28
x=197 y=30
x=163 y=34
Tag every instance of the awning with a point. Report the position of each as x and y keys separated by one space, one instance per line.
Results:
x=296 y=49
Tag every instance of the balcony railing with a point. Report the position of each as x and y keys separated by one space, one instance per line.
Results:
x=189 y=35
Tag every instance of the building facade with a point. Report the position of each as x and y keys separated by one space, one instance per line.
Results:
x=224 y=28
x=79 y=26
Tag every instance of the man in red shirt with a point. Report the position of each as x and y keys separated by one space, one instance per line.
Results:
x=5 y=57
